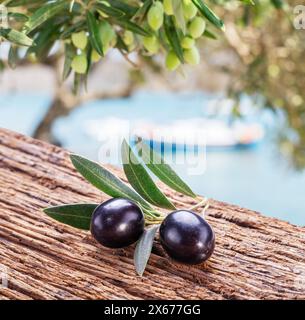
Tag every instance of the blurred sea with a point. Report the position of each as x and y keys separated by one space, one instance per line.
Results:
x=255 y=178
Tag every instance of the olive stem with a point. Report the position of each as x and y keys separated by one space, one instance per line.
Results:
x=205 y=209
x=152 y=222
x=156 y=217
x=204 y=202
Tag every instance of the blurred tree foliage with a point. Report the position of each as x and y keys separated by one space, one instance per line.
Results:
x=261 y=33
x=271 y=66
x=88 y=29
x=83 y=31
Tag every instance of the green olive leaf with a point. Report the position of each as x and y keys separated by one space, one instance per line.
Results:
x=128 y=9
x=140 y=180
x=69 y=55
x=106 y=181
x=162 y=170
x=44 y=13
x=207 y=33
x=144 y=248
x=13 y=56
x=173 y=37
x=19 y=17
x=209 y=14
x=94 y=33
x=110 y=11
x=16 y=37
x=131 y=26
x=142 y=11
x=75 y=215
x=178 y=13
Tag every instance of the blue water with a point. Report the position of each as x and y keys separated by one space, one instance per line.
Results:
x=254 y=178
x=22 y=112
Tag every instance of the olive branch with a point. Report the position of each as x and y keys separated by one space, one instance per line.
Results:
x=144 y=192
x=85 y=30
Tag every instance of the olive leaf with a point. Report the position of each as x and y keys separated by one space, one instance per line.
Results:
x=179 y=15
x=94 y=33
x=162 y=170
x=43 y=14
x=143 y=249
x=13 y=57
x=129 y=10
x=69 y=55
x=45 y=40
x=173 y=37
x=110 y=11
x=104 y=180
x=142 y=11
x=16 y=37
x=75 y=215
x=19 y=17
x=128 y=25
x=209 y=14
x=140 y=179
x=76 y=27
x=207 y=33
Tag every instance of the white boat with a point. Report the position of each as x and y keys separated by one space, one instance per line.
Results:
x=188 y=133
x=201 y=133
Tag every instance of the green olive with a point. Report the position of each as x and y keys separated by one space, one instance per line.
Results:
x=197 y=27
x=189 y=9
x=79 y=64
x=32 y=57
x=168 y=7
x=80 y=40
x=155 y=16
x=187 y=42
x=172 y=62
x=95 y=57
x=191 y=56
x=128 y=38
x=151 y=44
x=108 y=35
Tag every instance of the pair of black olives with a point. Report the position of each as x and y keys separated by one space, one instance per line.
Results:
x=185 y=236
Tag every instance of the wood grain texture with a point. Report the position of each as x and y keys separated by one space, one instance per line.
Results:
x=256 y=257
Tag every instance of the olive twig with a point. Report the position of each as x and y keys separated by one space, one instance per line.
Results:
x=204 y=202
x=151 y=213
x=205 y=209
x=147 y=222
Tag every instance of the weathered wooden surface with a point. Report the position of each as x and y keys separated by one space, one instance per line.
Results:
x=255 y=256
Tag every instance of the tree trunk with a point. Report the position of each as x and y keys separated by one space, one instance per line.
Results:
x=256 y=257
x=58 y=108
x=64 y=102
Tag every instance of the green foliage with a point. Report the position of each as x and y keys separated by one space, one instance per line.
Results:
x=144 y=248
x=75 y=215
x=87 y=29
x=79 y=215
x=145 y=191
x=141 y=181
x=272 y=69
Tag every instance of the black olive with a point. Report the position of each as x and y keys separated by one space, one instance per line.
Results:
x=117 y=223
x=187 y=237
